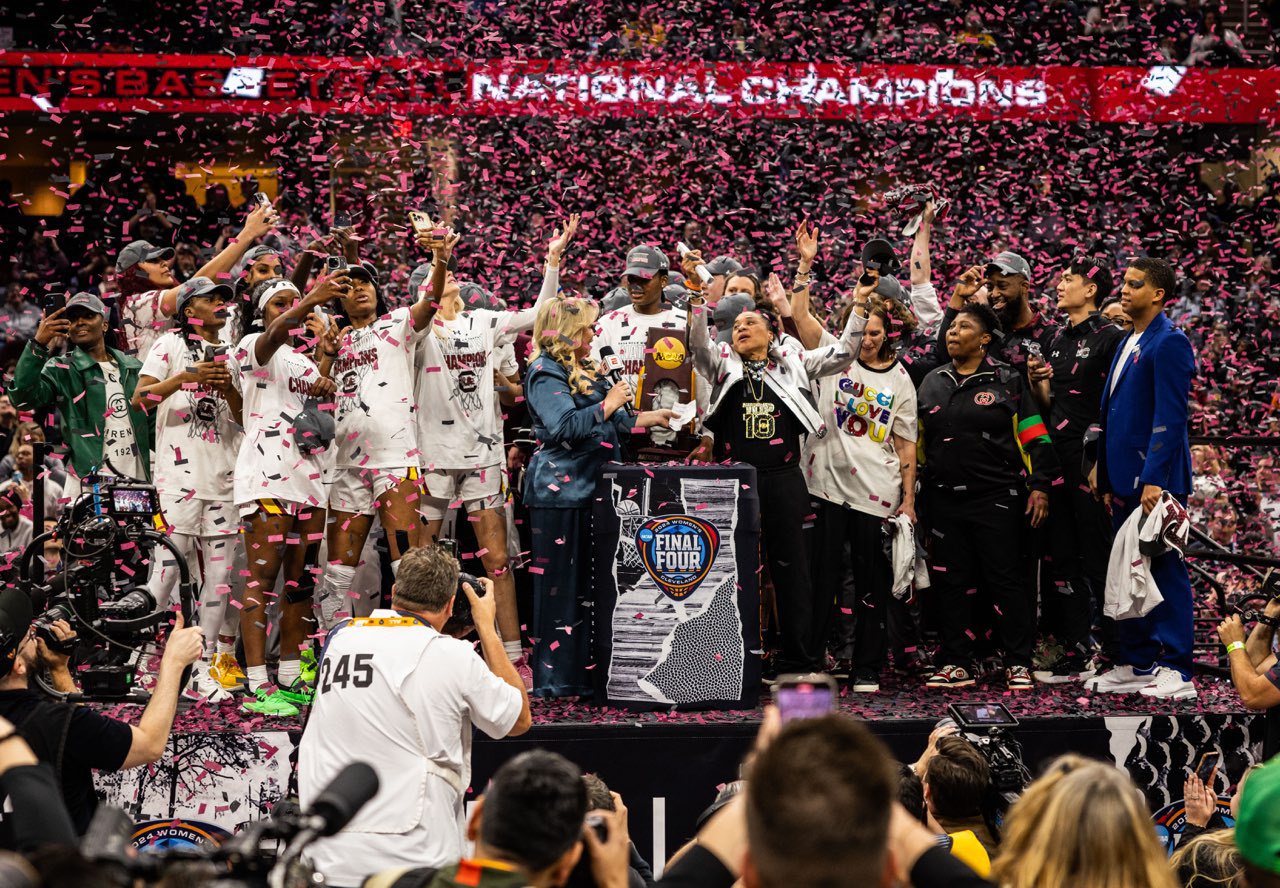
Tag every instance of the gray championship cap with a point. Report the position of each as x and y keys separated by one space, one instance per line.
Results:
x=202 y=286
x=724 y=265
x=615 y=299
x=645 y=262
x=890 y=288
x=140 y=251
x=1010 y=263
x=87 y=301
x=474 y=296
x=726 y=311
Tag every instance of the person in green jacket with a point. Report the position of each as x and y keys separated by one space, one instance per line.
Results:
x=91 y=386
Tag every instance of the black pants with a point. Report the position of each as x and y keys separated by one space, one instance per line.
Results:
x=802 y=608
x=866 y=615
x=977 y=543
x=1080 y=538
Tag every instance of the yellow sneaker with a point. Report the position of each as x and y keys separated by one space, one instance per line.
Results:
x=227 y=672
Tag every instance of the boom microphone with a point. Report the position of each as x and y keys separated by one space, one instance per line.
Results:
x=613 y=371
x=343 y=798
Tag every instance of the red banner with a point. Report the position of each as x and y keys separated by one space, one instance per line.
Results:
x=70 y=83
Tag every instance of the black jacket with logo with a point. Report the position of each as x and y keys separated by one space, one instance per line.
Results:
x=982 y=433
x=1081 y=358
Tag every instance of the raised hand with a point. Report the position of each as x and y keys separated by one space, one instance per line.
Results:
x=969 y=282
x=561 y=237
x=330 y=287
x=807 y=242
x=777 y=295
x=52 y=326
x=260 y=221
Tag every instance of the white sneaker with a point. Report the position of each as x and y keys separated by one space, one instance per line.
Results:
x=204 y=684
x=1120 y=680
x=1168 y=684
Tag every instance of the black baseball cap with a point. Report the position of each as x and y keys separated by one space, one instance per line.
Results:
x=880 y=251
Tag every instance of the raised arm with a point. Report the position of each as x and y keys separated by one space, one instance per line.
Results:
x=279 y=331
x=523 y=320
x=424 y=310
x=260 y=221
x=834 y=358
x=924 y=298
x=32 y=389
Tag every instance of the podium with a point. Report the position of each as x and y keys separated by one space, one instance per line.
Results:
x=676 y=586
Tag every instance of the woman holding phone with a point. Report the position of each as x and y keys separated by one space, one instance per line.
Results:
x=278 y=480
x=580 y=422
x=191 y=384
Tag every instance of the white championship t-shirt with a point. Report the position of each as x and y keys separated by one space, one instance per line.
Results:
x=403 y=698
x=376 y=427
x=144 y=322
x=627 y=331
x=269 y=465
x=1127 y=355
x=855 y=464
x=197 y=440
x=459 y=417
x=118 y=443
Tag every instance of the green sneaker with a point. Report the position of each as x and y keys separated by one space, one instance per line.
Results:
x=300 y=693
x=272 y=703
x=308 y=666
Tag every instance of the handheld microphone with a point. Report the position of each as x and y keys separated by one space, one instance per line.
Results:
x=613 y=370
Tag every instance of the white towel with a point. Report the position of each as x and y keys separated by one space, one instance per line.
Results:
x=1131 y=591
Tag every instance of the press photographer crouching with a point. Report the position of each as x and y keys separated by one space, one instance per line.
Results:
x=1255 y=671
x=396 y=688
x=76 y=740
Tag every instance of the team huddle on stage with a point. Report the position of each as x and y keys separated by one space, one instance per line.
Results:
x=293 y=416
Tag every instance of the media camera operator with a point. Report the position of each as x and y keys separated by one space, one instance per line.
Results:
x=393 y=686
x=77 y=740
x=1255 y=671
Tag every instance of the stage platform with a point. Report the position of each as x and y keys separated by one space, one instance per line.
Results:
x=225 y=768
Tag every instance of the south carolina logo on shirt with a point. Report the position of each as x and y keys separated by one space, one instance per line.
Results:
x=984 y=399
x=678 y=552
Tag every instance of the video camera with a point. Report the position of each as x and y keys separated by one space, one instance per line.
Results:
x=986 y=726
x=108 y=536
x=251 y=858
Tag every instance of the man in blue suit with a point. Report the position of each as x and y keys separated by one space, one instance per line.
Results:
x=1143 y=451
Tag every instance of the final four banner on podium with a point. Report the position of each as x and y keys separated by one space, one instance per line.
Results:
x=676 y=585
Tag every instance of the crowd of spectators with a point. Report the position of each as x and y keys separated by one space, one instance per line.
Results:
x=1118 y=32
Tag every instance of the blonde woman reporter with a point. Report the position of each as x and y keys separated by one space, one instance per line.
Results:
x=580 y=422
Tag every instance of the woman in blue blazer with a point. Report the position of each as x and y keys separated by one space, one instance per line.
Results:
x=581 y=421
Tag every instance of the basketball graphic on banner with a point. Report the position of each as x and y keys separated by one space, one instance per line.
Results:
x=678 y=552
x=668 y=353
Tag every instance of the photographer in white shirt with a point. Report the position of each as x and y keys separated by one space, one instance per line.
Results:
x=395 y=692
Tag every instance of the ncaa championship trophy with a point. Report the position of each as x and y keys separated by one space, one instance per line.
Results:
x=666 y=380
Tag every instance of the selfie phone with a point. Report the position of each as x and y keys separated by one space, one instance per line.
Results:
x=421 y=222
x=808 y=695
x=1208 y=764
x=213 y=352
x=974 y=716
x=334 y=263
x=341 y=220
x=262 y=199
x=53 y=300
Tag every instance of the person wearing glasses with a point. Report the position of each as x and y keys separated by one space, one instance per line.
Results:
x=1068 y=384
x=1113 y=313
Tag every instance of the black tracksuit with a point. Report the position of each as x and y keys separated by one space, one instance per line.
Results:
x=1080 y=529
x=977 y=435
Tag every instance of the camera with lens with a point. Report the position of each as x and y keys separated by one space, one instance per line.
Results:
x=460 y=622
x=108 y=537
x=986 y=726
